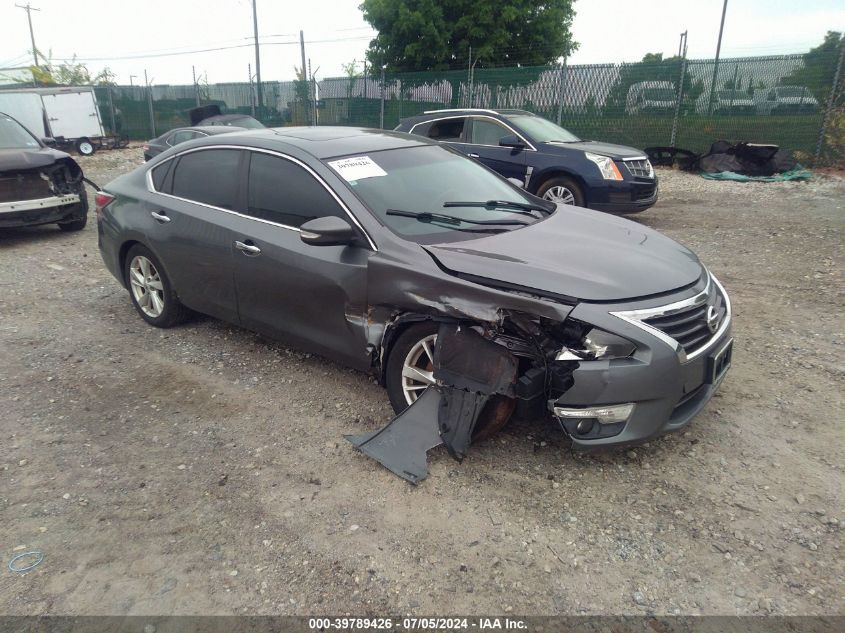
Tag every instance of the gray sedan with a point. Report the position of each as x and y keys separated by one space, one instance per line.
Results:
x=178 y=135
x=363 y=245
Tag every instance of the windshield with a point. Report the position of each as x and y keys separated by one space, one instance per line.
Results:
x=542 y=130
x=15 y=136
x=247 y=122
x=658 y=94
x=420 y=180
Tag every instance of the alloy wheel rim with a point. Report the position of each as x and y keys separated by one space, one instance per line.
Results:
x=418 y=368
x=147 y=288
x=86 y=148
x=560 y=194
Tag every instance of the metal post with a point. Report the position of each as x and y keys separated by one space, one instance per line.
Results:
x=469 y=77
x=257 y=61
x=150 y=104
x=196 y=86
x=304 y=74
x=831 y=99
x=381 y=115
x=682 y=47
x=561 y=91
x=716 y=61
x=251 y=93
x=366 y=79
x=111 y=109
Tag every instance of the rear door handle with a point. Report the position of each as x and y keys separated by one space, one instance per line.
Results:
x=248 y=249
x=160 y=216
x=473 y=155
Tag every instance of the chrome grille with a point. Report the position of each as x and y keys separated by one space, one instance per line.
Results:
x=691 y=326
x=640 y=168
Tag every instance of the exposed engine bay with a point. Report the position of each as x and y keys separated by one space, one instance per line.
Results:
x=62 y=179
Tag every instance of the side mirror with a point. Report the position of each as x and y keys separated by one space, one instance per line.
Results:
x=49 y=141
x=511 y=140
x=327 y=231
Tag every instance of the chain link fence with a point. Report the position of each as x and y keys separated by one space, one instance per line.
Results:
x=795 y=101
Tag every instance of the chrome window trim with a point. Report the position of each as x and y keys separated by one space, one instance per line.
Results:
x=468 y=116
x=635 y=317
x=151 y=188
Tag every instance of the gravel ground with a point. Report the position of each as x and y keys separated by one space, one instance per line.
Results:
x=202 y=469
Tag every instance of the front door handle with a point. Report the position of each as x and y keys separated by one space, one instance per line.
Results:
x=248 y=249
x=160 y=217
x=473 y=155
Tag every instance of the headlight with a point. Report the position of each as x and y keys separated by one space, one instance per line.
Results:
x=597 y=344
x=607 y=167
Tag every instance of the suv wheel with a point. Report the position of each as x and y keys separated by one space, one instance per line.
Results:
x=562 y=190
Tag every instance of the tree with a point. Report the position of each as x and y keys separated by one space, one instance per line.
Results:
x=425 y=35
x=67 y=74
x=350 y=69
x=819 y=68
x=654 y=68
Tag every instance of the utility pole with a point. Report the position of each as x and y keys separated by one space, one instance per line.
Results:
x=29 y=9
x=307 y=93
x=257 y=61
x=716 y=61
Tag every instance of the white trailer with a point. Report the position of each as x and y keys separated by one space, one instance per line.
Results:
x=67 y=114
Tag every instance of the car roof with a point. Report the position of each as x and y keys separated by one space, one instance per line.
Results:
x=226 y=117
x=326 y=141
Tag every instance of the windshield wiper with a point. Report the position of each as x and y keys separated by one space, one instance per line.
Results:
x=425 y=216
x=524 y=207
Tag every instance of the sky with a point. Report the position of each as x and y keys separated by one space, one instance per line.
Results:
x=161 y=36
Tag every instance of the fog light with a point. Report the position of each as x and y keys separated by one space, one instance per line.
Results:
x=610 y=414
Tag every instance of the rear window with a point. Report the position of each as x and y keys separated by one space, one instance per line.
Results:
x=446 y=130
x=209 y=176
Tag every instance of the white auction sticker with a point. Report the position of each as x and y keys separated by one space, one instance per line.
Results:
x=357 y=168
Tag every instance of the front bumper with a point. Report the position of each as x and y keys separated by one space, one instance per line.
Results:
x=42 y=211
x=666 y=388
x=626 y=196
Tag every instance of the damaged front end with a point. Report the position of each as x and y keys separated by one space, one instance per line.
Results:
x=484 y=374
x=40 y=194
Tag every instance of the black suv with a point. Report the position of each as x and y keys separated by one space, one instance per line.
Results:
x=544 y=158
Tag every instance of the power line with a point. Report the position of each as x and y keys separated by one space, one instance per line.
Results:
x=205 y=50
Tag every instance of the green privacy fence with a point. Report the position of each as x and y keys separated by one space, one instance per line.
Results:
x=785 y=100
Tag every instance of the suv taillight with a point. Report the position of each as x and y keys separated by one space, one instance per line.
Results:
x=101 y=201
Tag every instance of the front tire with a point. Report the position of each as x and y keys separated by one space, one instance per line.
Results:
x=409 y=372
x=562 y=190
x=150 y=289
x=74 y=225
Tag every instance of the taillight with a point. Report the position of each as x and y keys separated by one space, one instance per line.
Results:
x=101 y=201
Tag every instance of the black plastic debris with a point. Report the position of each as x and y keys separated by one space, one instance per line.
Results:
x=469 y=369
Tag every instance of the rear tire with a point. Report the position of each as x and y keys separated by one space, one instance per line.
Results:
x=562 y=190
x=150 y=289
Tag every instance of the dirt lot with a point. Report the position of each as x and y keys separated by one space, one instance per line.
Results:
x=203 y=470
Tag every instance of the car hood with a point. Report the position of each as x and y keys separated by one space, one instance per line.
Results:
x=576 y=253
x=26 y=158
x=618 y=152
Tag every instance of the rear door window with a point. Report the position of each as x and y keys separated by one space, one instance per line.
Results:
x=208 y=176
x=447 y=129
x=283 y=192
x=487 y=132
